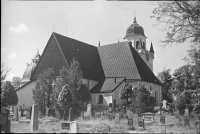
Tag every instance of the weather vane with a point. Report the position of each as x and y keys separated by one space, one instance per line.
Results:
x=134 y=13
x=54 y=28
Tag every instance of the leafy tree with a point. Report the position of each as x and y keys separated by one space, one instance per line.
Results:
x=83 y=95
x=140 y=100
x=126 y=92
x=181 y=20
x=71 y=77
x=16 y=82
x=4 y=73
x=43 y=91
x=8 y=95
x=166 y=79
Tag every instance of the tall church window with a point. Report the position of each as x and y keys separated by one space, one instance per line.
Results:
x=100 y=99
x=143 y=46
x=137 y=44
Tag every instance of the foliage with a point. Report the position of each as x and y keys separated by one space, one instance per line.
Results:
x=181 y=20
x=166 y=80
x=183 y=100
x=43 y=91
x=140 y=100
x=16 y=82
x=126 y=92
x=73 y=93
x=8 y=95
x=4 y=73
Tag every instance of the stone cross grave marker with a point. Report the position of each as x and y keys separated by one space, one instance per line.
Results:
x=102 y=128
x=34 y=118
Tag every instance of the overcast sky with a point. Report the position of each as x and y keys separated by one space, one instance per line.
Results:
x=28 y=25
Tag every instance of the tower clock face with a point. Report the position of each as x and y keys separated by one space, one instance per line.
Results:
x=130 y=31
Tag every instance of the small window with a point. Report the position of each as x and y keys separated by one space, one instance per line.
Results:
x=137 y=44
x=100 y=99
x=143 y=46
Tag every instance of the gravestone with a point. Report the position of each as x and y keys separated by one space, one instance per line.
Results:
x=29 y=112
x=5 y=126
x=89 y=113
x=74 y=127
x=141 y=122
x=34 y=118
x=162 y=119
x=164 y=104
x=130 y=115
x=70 y=114
x=114 y=105
x=102 y=128
x=16 y=114
x=171 y=109
x=148 y=117
x=186 y=118
x=20 y=112
x=110 y=108
x=117 y=118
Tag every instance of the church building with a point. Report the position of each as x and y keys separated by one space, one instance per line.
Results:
x=105 y=68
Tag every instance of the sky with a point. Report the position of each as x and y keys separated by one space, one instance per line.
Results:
x=26 y=27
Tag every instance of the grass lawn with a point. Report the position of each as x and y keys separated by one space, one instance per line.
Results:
x=52 y=125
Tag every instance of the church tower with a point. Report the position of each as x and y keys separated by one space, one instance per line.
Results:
x=136 y=37
x=29 y=70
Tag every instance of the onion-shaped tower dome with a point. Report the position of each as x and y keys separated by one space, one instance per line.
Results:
x=134 y=29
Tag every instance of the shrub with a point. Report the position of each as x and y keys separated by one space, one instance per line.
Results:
x=140 y=101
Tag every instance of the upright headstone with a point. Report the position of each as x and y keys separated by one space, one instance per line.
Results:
x=114 y=105
x=141 y=122
x=70 y=114
x=89 y=113
x=16 y=114
x=110 y=108
x=20 y=112
x=164 y=104
x=34 y=118
x=117 y=118
x=186 y=118
x=74 y=127
x=162 y=119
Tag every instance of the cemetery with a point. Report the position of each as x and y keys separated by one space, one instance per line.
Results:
x=103 y=123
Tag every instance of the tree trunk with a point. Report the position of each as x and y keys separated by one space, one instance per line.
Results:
x=64 y=114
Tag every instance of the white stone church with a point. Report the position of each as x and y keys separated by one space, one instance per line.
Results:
x=105 y=68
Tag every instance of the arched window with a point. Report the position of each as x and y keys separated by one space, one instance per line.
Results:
x=143 y=46
x=137 y=44
x=100 y=99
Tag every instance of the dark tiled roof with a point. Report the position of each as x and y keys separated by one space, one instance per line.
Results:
x=145 y=72
x=86 y=54
x=117 y=61
x=107 y=86
x=60 y=51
